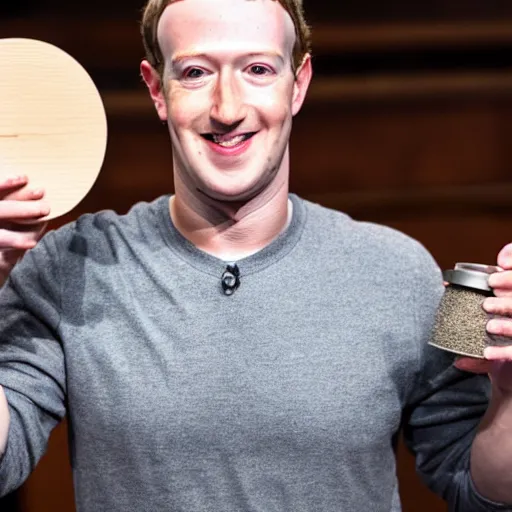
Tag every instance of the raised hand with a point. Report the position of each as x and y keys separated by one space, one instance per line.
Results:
x=21 y=212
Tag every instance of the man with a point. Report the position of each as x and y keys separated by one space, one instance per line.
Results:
x=233 y=347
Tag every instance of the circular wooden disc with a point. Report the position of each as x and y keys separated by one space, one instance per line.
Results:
x=53 y=126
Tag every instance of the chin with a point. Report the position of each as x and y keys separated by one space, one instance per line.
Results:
x=224 y=190
x=232 y=196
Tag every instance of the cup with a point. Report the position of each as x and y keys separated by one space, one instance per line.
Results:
x=460 y=320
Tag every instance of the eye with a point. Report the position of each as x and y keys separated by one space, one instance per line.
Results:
x=193 y=73
x=260 y=70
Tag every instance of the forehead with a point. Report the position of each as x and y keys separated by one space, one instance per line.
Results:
x=207 y=26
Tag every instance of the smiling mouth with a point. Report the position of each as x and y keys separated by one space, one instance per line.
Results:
x=227 y=141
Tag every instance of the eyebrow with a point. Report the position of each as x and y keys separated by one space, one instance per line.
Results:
x=180 y=57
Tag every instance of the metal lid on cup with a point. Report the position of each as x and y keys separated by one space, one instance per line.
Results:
x=471 y=275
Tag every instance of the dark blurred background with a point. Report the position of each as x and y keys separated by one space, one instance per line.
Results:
x=408 y=123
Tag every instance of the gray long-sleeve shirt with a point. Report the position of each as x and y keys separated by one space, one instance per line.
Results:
x=285 y=396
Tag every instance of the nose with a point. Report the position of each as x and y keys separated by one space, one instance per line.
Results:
x=228 y=107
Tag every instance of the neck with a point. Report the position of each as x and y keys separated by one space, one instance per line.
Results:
x=231 y=230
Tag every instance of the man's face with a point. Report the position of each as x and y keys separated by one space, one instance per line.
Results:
x=229 y=93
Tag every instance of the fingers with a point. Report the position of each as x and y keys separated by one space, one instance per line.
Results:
x=501 y=279
x=19 y=240
x=505 y=257
x=502 y=308
x=14 y=242
x=16 y=189
x=498 y=305
x=498 y=353
x=501 y=283
x=12 y=182
x=22 y=211
x=12 y=211
x=500 y=327
x=24 y=194
x=19 y=202
x=469 y=364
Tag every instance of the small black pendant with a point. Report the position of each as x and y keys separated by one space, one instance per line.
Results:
x=230 y=279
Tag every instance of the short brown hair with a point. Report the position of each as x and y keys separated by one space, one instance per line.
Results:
x=154 y=9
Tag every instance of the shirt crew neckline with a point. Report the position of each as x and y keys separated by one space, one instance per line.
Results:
x=214 y=266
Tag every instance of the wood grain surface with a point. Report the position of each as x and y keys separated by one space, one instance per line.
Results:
x=52 y=122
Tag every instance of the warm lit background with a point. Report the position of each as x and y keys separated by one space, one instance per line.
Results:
x=408 y=123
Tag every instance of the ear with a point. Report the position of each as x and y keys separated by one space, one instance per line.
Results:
x=301 y=84
x=154 y=83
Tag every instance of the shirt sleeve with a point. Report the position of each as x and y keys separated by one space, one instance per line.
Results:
x=32 y=369
x=444 y=410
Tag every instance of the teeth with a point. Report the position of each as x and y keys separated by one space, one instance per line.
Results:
x=228 y=143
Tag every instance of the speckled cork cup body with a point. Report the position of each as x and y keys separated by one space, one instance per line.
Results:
x=460 y=320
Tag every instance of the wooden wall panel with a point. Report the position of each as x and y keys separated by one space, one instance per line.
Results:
x=406 y=11
x=399 y=146
x=361 y=11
